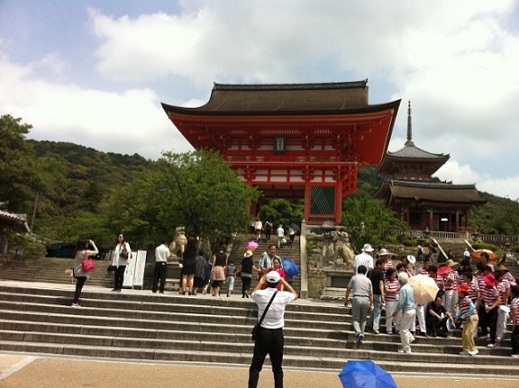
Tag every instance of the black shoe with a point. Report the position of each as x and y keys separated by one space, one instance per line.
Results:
x=115 y=289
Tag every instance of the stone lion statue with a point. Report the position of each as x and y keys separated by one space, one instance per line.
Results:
x=343 y=251
x=179 y=242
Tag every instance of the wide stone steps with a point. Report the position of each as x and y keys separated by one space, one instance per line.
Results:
x=140 y=325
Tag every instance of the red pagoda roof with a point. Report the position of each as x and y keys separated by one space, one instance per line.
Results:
x=429 y=192
x=338 y=111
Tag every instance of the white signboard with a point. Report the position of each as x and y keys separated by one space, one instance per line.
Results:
x=134 y=273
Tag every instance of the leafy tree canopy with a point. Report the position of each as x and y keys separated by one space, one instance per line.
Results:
x=197 y=190
x=367 y=220
x=282 y=211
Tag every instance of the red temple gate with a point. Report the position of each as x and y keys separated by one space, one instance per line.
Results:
x=293 y=141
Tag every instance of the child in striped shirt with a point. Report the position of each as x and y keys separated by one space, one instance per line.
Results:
x=468 y=314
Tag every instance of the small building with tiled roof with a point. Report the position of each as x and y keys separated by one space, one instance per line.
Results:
x=10 y=221
x=416 y=197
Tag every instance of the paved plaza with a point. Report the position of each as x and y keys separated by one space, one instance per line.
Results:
x=25 y=371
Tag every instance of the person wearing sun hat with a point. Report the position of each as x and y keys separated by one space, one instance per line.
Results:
x=385 y=255
x=507 y=275
x=469 y=315
x=364 y=258
x=247 y=267
x=450 y=281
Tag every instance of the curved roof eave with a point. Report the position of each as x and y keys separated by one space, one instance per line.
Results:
x=393 y=105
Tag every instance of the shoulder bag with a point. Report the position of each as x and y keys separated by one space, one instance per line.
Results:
x=87 y=264
x=256 y=327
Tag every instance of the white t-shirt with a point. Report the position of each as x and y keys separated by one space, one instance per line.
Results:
x=280 y=231
x=275 y=318
x=161 y=253
x=363 y=259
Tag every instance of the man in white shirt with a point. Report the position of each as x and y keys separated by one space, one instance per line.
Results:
x=270 y=338
x=281 y=235
x=161 y=266
x=365 y=258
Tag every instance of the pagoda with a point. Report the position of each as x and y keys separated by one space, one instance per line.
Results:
x=293 y=140
x=417 y=198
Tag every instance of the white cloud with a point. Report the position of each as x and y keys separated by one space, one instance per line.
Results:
x=127 y=122
x=456 y=62
x=507 y=187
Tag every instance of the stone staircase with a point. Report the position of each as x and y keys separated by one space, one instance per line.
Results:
x=36 y=318
x=238 y=249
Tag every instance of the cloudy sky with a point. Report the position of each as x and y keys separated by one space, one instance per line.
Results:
x=95 y=72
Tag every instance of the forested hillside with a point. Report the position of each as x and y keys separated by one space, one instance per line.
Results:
x=93 y=174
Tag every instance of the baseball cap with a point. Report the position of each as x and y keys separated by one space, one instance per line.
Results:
x=273 y=277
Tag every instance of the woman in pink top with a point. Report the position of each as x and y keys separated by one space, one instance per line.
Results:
x=276 y=266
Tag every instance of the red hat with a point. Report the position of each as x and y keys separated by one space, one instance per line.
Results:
x=490 y=280
x=464 y=288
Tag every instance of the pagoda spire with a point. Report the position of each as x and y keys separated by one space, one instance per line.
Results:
x=409 y=141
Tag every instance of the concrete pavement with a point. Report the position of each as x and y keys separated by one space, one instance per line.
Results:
x=31 y=371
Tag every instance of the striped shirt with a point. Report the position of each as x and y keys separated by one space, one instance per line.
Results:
x=450 y=280
x=423 y=271
x=515 y=306
x=391 y=285
x=508 y=276
x=503 y=287
x=489 y=295
x=473 y=291
x=467 y=308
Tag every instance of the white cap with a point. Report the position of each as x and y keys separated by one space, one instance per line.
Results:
x=273 y=277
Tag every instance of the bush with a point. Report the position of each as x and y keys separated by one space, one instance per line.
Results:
x=25 y=245
x=482 y=245
x=407 y=240
x=514 y=248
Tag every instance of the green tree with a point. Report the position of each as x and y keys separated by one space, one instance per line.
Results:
x=283 y=211
x=197 y=190
x=16 y=164
x=367 y=220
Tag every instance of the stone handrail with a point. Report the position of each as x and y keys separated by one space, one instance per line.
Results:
x=497 y=239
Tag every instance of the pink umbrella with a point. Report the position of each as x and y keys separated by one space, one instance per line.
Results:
x=252 y=245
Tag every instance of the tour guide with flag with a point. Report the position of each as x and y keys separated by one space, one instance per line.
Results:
x=270 y=339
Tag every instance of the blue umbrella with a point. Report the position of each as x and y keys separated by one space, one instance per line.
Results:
x=365 y=374
x=290 y=268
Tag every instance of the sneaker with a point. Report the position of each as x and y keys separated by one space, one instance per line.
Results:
x=464 y=353
x=75 y=305
x=473 y=352
x=404 y=351
x=376 y=332
x=515 y=355
x=491 y=346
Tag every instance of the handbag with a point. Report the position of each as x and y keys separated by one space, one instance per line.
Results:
x=87 y=264
x=124 y=252
x=255 y=329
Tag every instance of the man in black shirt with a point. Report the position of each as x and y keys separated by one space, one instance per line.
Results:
x=377 y=279
x=436 y=318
